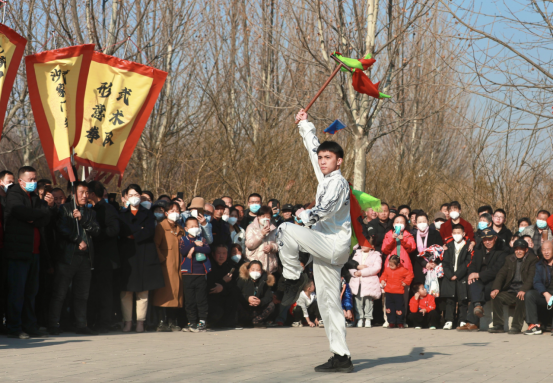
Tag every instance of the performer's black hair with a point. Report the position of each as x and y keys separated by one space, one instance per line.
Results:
x=331 y=146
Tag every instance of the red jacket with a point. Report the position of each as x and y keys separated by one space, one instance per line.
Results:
x=447 y=231
x=394 y=278
x=407 y=245
x=426 y=302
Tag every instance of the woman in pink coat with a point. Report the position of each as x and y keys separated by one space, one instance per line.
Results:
x=364 y=283
x=261 y=240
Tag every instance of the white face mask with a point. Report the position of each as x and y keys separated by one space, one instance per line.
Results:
x=6 y=187
x=236 y=258
x=422 y=226
x=400 y=226
x=454 y=215
x=225 y=217
x=457 y=238
x=146 y=204
x=438 y=225
x=232 y=220
x=255 y=275
x=194 y=213
x=134 y=201
x=174 y=216
x=194 y=231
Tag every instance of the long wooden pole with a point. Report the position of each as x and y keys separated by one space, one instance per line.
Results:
x=336 y=70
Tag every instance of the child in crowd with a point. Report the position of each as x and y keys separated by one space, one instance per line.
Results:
x=364 y=283
x=194 y=268
x=254 y=294
x=347 y=303
x=423 y=308
x=394 y=280
x=454 y=289
x=307 y=308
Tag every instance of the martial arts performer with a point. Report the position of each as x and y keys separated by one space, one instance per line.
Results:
x=326 y=236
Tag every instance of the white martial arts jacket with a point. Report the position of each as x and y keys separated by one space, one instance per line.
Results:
x=330 y=215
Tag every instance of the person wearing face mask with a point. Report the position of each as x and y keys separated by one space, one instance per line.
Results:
x=203 y=212
x=170 y=297
x=159 y=208
x=24 y=241
x=455 y=218
x=194 y=268
x=237 y=233
x=140 y=266
x=453 y=288
x=254 y=204
x=219 y=227
x=221 y=282
x=484 y=266
x=261 y=240
x=254 y=294
x=541 y=231
x=6 y=180
x=399 y=241
x=484 y=222
x=106 y=260
x=146 y=199
x=76 y=226
x=439 y=219
x=424 y=237
x=276 y=219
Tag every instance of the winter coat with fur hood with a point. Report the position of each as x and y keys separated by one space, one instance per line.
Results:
x=368 y=284
x=261 y=288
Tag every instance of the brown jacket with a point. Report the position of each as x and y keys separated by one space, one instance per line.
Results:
x=254 y=246
x=166 y=239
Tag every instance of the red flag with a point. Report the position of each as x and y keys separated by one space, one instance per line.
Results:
x=362 y=84
x=356 y=213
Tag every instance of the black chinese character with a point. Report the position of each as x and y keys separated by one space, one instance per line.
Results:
x=107 y=140
x=60 y=89
x=93 y=134
x=116 y=117
x=56 y=74
x=99 y=112
x=105 y=90
x=2 y=61
x=124 y=94
x=61 y=106
x=66 y=123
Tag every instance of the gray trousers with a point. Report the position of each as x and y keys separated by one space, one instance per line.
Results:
x=364 y=306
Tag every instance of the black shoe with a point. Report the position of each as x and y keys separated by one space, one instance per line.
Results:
x=201 y=327
x=54 y=331
x=291 y=291
x=18 y=335
x=36 y=333
x=514 y=331
x=496 y=329
x=86 y=331
x=260 y=325
x=102 y=330
x=175 y=328
x=336 y=364
x=162 y=327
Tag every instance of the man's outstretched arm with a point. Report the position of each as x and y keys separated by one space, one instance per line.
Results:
x=311 y=142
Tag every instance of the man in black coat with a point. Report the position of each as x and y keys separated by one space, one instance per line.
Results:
x=512 y=282
x=485 y=264
x=381 y=225
x=503 y=233
x=454 y=283
x=219 y=227
x=106 y=259
x=25 y=216
x=76 y=225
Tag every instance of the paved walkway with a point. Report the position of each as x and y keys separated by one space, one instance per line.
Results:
x=278 y=355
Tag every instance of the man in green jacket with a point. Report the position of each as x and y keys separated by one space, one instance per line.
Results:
x=512 y=282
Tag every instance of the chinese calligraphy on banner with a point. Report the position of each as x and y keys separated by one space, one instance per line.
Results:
x=12 y=47
x=118 y=101
x=57 y=81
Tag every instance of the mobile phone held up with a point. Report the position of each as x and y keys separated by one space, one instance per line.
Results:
x=180 y=195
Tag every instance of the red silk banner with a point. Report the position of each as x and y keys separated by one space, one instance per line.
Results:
x=12 y=46
x=57 y=81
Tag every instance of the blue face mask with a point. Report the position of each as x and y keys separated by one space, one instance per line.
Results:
x=276 y=214
x=482 y=225
x=159 y=216
x=30 y=187
x=298 y=220
x=208 y=218
x=542 y=224
x=88 y=205
x=254 y=208
x=520 y=229
x=106 y=200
